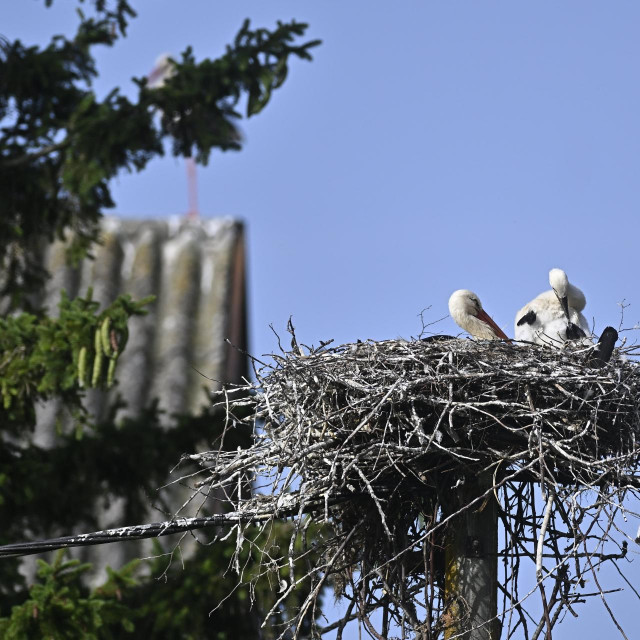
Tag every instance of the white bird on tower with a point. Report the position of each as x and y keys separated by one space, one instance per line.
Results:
x=554 y=316
x=466 y=309
x=163 y=69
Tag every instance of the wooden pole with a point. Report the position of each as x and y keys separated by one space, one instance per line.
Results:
x=471 y=564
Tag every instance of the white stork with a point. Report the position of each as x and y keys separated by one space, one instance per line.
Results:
x=163 y=69
x=554 y=316
x=466 y=309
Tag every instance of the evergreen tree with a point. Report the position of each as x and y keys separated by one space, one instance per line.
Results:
x=59 y=148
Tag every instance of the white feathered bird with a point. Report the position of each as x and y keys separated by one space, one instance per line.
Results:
x=466 y=309
x=163 y=69
x=554 y=316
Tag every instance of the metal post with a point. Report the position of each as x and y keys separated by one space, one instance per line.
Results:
x=471 y=564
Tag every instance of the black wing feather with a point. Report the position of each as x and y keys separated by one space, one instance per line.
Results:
x=527 y=318
x=604 y=348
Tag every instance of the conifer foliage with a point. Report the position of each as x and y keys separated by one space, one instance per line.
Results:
x=60 y=146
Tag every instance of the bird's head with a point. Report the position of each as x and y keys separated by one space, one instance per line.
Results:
x=464 y=305
x=464 y=302
x=560 y=285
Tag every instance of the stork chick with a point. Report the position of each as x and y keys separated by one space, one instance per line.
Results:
x=466 y=309
x=554 y=316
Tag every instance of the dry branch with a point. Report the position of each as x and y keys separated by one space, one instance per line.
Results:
x=374 y=440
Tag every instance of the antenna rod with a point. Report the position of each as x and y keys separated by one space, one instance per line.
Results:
x=192 y=185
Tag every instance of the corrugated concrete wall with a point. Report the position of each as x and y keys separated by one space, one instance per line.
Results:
x=196 y=270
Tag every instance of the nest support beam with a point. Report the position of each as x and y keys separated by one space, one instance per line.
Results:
x=471 y=563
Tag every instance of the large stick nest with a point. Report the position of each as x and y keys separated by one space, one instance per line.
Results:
x=376 y=440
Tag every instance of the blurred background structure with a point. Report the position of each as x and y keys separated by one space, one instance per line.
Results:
x=178 y=352
x=190 y=344
x=429 y=147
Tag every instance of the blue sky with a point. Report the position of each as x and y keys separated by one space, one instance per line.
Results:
x=430 y=146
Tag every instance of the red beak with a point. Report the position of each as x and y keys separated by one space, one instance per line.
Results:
x=486 y=318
